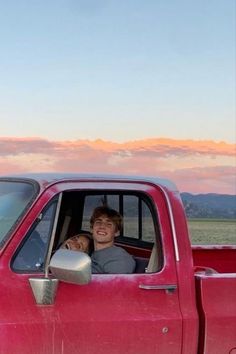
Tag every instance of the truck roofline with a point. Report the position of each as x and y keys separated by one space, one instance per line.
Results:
x=47 y=178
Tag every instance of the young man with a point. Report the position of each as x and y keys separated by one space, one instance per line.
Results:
x=106 y=224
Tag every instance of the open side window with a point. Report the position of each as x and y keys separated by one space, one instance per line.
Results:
x=140 y=235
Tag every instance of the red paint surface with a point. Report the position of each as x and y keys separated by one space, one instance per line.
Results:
x=220 y=258
x=217 y=309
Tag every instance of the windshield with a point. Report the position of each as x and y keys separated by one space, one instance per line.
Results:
x=15 y=197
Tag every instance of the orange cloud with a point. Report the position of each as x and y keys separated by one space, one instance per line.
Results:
x=195 y=166
x=157 y=146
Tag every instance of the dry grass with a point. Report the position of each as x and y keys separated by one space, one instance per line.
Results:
x=212 y=231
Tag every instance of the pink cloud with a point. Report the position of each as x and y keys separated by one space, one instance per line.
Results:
x=16 y=146
x=218 y=179
x=195 y=166
x=157 y=146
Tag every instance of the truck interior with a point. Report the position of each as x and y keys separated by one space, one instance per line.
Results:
x=140 y=235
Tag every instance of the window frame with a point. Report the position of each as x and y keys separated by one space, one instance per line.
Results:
x=33 y=228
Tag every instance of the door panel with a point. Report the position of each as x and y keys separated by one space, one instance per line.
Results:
x=109 y=315
x=114 y=315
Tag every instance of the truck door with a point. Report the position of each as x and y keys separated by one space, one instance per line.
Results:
x=115 y=313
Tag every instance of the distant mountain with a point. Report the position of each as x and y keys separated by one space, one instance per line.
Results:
x=209 y=205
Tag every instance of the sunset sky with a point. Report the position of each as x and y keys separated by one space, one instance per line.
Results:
x=128 y=87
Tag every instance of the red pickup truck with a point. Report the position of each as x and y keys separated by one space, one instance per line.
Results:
x=179 y=300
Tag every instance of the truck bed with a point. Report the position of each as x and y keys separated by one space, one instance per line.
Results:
x=221 y=259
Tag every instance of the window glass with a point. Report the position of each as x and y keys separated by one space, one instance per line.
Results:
x=31 y=256
x=138 y=220
x=93 y=201
x=131 y=216
x=90 y=203
x=148 y=229
x=113 y=202
x=14 y=198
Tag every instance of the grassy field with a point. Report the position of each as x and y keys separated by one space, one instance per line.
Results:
x=202 y=231
x=212 y=231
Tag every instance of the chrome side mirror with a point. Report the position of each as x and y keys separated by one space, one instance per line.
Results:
x=71 y=266
x=65 y=265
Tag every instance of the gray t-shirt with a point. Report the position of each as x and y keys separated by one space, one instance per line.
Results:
x=112 y=260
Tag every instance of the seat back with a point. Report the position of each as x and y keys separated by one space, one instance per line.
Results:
x=141 y=264
x=153 y=265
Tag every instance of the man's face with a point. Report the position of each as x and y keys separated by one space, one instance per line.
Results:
x=104 y=230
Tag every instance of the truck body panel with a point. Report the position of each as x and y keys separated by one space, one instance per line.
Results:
x=217 y=308
x=174 y=308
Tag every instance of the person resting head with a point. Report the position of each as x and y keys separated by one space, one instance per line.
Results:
x=81 y=242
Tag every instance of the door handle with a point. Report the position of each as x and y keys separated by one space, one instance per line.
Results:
x=169 y=288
